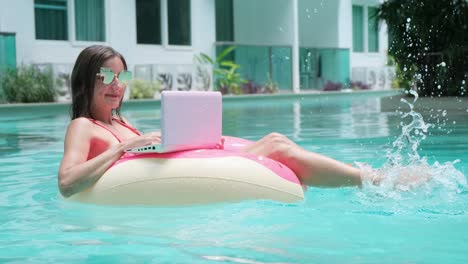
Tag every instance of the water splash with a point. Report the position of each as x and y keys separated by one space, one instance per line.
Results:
x=405 y=147
x=406 y=172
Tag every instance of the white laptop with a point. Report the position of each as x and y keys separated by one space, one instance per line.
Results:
x=189 y=120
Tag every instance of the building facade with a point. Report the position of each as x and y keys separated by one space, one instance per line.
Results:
x=299 y=44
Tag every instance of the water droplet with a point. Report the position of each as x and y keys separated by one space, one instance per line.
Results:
x=438 y=86
x=408 y=20
x=280 y=29
x=444 y=113
x=405 y=69
x=315 y=10
x=442 y=64
x=454 y=122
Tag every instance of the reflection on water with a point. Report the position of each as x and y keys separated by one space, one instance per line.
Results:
x=38 y=224
x=302 y=119
x=15 y=142
x=31 y=134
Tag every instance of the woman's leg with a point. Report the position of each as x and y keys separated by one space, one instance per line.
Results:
x=312 y=169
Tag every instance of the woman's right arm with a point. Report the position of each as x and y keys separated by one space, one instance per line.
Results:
x=76 y=173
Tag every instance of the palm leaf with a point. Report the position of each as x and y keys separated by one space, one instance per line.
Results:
x=224 y=53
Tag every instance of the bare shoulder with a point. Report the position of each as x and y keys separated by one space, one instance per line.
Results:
x=79 y=133
x=80 y=123
x=81 y=128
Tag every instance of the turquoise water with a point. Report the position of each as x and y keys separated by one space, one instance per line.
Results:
x=426 y=224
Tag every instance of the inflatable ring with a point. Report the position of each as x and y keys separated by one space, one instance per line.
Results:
x=194 y=177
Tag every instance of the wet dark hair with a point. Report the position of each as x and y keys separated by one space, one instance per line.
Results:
x=83 y=79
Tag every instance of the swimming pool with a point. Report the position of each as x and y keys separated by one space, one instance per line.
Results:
x=351 y=225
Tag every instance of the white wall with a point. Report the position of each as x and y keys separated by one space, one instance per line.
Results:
x=263 y=22
x=318 y=23
x=18 y=17
x=345 y=24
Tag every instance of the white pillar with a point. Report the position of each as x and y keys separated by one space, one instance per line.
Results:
x=295 y=49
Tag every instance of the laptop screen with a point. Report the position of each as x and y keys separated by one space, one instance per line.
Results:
x=192 y=118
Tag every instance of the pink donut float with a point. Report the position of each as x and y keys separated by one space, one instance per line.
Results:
x=194 y=177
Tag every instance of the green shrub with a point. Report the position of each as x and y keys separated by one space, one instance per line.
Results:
x=428 y=42
x=140 y=89
x=2 y=93
x=27 y=84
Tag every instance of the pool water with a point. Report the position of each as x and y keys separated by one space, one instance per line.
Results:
x=424 y=223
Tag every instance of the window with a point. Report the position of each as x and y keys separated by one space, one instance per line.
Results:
x=90 y=20
x=224 y=20
x=365 y=39
x=179 y=25
x=358 y=28
x=152 y=29
x=148 y=18
x=51 y=19
x=372 y=30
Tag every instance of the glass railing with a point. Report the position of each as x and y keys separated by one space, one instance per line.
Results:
x=316 y=65
x=259 y=63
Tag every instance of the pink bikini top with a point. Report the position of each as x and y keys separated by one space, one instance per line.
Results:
x=134 y=130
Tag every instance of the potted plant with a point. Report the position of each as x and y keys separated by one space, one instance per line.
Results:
x=140 y=89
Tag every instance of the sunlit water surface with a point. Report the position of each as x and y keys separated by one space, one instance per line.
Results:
x=390 y=223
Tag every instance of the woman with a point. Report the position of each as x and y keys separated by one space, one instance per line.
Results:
x=98 y=135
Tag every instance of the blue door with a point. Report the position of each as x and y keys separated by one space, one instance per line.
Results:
x=7 y=50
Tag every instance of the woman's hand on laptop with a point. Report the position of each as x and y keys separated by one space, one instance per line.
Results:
x=143 y=140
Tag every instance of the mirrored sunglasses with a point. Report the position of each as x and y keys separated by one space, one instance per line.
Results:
x=108 y=76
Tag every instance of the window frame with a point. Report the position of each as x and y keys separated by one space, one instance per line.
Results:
x=363 y=36
x=68 y=25
x=165 y=30
x=367 y=25
x=161 y=30
x=365 y=17
x=72 y=28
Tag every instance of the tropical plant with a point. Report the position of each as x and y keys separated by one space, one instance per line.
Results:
x=270 y=85
x=28 y=84
x=358 y=85
x=140 y=89
x=332 y=86
x=251 y=87
x=227 y=78
x=429 y=44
